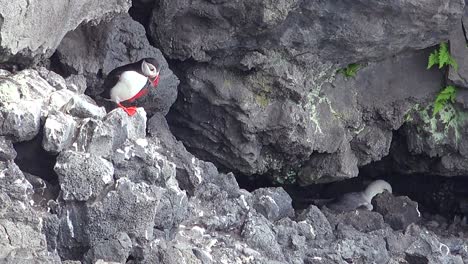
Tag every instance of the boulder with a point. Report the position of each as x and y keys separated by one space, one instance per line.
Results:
x=7 y=152
x=83 y=107
x=20 y=121
x=273 y=203
x=44 y=24
x=59 y=132
x=83 y=176
x=312 y=27
x=21 y=236
x=398 y=212
x=129 y=208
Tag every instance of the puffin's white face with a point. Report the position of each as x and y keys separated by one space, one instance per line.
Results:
x=149 y=70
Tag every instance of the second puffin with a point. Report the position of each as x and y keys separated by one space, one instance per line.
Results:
x=130 y=82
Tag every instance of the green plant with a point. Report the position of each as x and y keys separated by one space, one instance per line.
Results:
x=442 y=57
x=350 y=70
x=446 y=95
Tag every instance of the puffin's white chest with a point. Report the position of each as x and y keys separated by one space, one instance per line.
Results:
x=129 y=84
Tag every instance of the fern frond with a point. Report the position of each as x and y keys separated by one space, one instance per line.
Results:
x=433 y=59
x=448 y=94
x=350 y=70
x=444 y=55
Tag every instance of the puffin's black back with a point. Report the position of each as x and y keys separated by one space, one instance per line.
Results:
x=113 y=76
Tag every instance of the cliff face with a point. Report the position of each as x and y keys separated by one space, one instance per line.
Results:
x=260 y=93
x=247 y=86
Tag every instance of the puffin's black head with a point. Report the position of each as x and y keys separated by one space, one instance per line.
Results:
x=150 y=67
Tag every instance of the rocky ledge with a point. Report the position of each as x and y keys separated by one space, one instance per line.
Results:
x=123 y=190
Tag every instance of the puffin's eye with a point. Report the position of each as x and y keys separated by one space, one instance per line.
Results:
x=152 y=69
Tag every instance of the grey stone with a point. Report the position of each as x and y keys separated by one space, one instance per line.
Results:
x=21 y=236
x=398 y=212
x=362 y=220
x=21 y=243
x=83 y=176
x=36 y=42
x=105 y=46
x=191 y=172
x=258 y=234
x=221 y=211
x=9 y=90
x=131 y=127
x=367 y=248
x=276 y=25
x=248 y=121
x=273 y=203
x=26 y=84
x=43 y=192
x=166 y=252
x=58 y=99
x=20 y=121
x=54 y=79
x=428 y=248
x=291 y=234
x=107 y=137
x=76 y=83
x=13 y=182
x=313 y=216
x=7 y=152
x=4 y=73
x=371 y=144
x=322 y=168
x=83 y=107
x=113 y=250
x=172 y=210
x=59 y=132
x=240 y=132
x=458 y=50
x=399 y=242
x=95 y=137
x=51 y=231
x=71 y=239
x=438 y=141
x=129 y=207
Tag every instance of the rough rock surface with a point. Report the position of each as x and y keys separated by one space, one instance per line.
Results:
x=45 y=23
x=126 y=195
x=398 y=212
x=300 y=26
x=252 y=77
x=259 y=94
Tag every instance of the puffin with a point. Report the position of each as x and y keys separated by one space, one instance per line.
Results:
x=129 y=82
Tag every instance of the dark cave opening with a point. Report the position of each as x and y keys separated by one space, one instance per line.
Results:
x=38 y=166
x=435 y=194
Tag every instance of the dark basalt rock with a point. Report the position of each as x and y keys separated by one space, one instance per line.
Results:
x=398 y=212
x=7 y=152
x=362 y=220
x=273 y=203
x=43 y=25
x=259 y=95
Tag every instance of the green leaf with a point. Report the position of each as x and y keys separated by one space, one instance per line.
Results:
x=350 y=70
x=444 y=55
x=448 y=94
x=437 y=108
x=433 y=59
